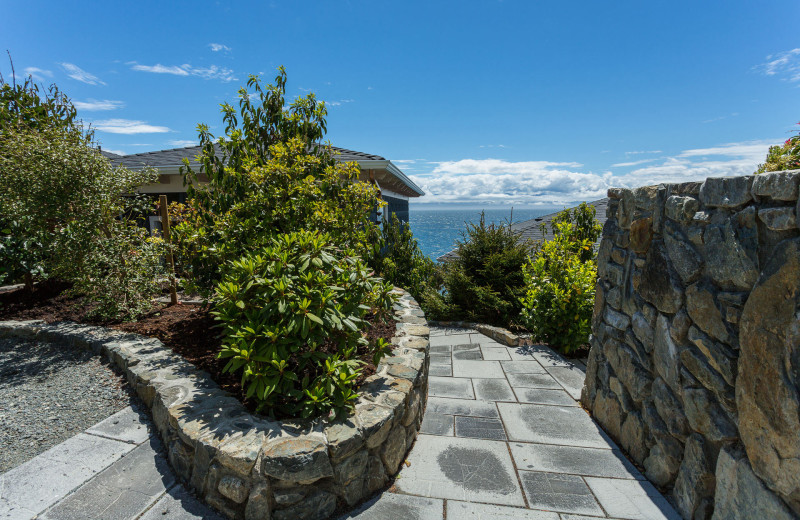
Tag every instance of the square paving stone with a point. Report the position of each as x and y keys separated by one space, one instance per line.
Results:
x=468 y=407
x=450 y=387
x=558 y=492
x=533 y=381
x=479 y=369
x=123 y=490
x=437 y=424
x=544 y=396
x=494 y=353
x=466 y=346
x=127 y=425
x=393 y=506
x=480 y=428
x=179 y=504
x=461 y=469
x=441 y=360
x=471 y=355
x=438 y=349
x=525 y=352
x=570 y=459
x=631 y=499
x=456 y=339
x=441 y=370
x=571 y=378
x=45 y=479
x=493 y=390
x=522 y=367
x=562 y=425
x=482 y=339
x=550 y=358
x=472 y=511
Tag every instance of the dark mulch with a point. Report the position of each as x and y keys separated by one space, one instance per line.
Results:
x=187 y=329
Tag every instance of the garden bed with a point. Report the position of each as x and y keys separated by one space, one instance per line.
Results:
x=186 y=329
x=247 y=466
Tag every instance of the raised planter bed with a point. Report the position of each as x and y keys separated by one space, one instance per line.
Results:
x=250 y=467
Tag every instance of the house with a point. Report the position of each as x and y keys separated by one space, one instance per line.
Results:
x=531 y=230
x=396 y=188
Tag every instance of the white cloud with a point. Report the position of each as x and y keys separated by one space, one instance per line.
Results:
x=210 y=72
x=639 y=152
x=75 y=72
x=495 y=181
x=118 y=152
x=37 y=73
x=784 y=64
x=339 y=103
x=493 y=146
x=128 y=127
x=95 y=105
x=632 y=163
x=216 y=47
x=182 y=143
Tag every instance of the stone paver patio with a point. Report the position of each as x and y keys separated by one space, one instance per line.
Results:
x=503 y=438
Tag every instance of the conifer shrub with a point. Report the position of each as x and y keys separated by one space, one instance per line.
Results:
x=293 y=320
x=484 y=283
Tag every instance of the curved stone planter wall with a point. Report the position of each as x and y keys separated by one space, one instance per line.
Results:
x=255 y=468
x=695 y=361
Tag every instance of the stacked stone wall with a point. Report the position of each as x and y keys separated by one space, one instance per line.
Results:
x=694 y=366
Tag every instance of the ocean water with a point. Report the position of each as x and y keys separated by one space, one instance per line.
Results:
x=437 y=230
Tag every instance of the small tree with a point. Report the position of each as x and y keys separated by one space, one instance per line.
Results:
x=270 y=175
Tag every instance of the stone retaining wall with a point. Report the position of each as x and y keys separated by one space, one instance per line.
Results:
x=255 y=468
x=695 y=353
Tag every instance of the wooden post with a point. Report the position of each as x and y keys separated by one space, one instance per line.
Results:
x=162 y=204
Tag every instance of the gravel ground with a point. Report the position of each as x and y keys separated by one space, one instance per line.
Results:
x=49 y=393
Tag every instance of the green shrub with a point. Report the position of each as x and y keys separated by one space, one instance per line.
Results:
x=782 y=157
x=400 y=261
x=293 y=316
x=484 y=283
x=272 y=176
x=559 y=289
x=73 y=204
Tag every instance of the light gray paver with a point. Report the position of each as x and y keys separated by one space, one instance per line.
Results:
x=469 y=407
x=551 y=358
x=394 y=506
x=179 y=504
x=559 y=492
x=477 y=337
x=436 y=424
x=570 y=459
x=494 y=353
x=473 y=511
x=562 y=425
x=461 y=469
x=571 y=378
x=127 y=425
x=544 y=396
x=455 y=339
x=480 y=428
x=472 y=355
x=450 y=387
x=493 y=390
x=441 y=370
x=439 y=349
x=631 y=499
x=123 y=490
x=527 y=366
x=479 y=369
x=533 y=381
x=45 y=479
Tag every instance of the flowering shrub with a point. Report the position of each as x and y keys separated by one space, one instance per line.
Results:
x=782 y=157
x=293 y=316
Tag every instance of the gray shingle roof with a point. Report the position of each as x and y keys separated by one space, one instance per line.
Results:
x=531 y=229
x=175 y=156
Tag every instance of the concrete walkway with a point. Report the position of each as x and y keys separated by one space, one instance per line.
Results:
x=503 y=438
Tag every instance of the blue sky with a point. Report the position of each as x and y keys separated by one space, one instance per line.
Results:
x=482 y=103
